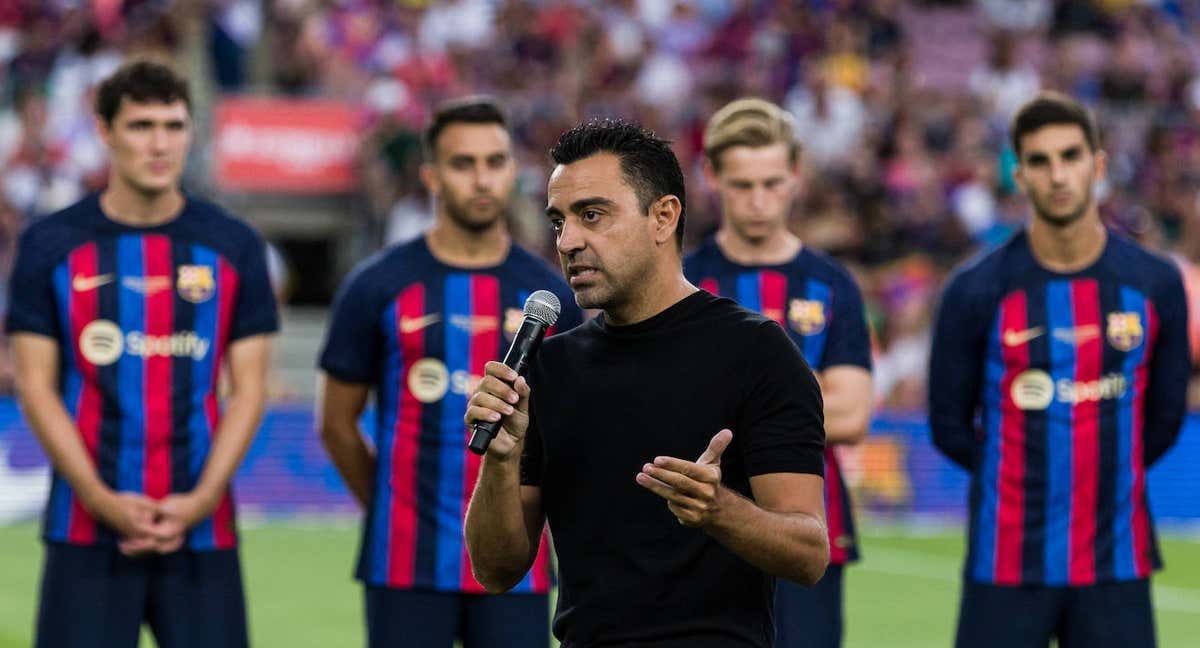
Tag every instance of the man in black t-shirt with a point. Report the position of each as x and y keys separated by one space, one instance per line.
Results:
x=654 y=548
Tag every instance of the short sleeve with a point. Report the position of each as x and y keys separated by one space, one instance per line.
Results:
x=255 y=312
x=782 y=418
x=848 y=341
x=352 y=346
x=31 y=306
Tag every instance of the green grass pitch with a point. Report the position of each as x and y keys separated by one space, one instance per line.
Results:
x=903 y=595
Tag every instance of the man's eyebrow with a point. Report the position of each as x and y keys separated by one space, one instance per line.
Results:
x=580 y=205
x=584 y=203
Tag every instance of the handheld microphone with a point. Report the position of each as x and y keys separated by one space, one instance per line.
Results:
x=541 y=312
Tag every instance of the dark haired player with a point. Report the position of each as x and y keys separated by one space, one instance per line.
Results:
x=673 y=443
x=753 y=162
x=126 y=307
x=1070 y=343
x=417 y=323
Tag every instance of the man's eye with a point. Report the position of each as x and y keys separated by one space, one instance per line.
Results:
x=590 y=215
x=556 y=224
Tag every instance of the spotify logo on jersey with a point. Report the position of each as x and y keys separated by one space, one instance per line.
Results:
x=1032 y=390
x=428 y=380
x=101 y=342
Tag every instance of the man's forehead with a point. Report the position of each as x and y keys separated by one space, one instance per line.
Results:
x=473 y=139
x=755 y=161
x=151 y=108
x=597 y=173
x=1053 y=138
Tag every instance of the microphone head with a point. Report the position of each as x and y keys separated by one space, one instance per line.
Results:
x=544 y=306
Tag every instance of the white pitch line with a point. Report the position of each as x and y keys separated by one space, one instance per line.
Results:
x=902 y=562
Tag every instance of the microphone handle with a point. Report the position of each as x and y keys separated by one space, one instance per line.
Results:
x=523 y=348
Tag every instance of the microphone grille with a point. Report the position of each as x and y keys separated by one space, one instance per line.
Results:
x=543 y=305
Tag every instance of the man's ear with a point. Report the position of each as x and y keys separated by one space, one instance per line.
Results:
x=664 y=214
x=429 y=179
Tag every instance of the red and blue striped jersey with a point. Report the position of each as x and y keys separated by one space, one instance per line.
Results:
x=143 y=317
x=420 y=332
x=817 y=302
x=1057 y=391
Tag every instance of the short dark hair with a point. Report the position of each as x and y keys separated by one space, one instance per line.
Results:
x=465 y=110
x=142 y=81
x=1050 y=108
x=647 y=161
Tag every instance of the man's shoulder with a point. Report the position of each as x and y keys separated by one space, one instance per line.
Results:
x=55 y=234
x=389 y=269
x=983 y=274
x=725 y=313
x=214 y=225
x=526 y=262
x=1142 y=265
x=822 y=267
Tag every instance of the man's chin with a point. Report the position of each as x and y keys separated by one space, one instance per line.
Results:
x=589 y=297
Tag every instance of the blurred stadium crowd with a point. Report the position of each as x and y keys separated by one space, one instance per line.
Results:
x=902 y=107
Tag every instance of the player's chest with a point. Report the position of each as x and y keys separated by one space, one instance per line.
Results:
x=134 y=268
x=801 y=304
x=1072 y=342
x=467 y=314
x=144 y=296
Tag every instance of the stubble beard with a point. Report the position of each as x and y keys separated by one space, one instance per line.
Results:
x=462 y=217
x=1047 y=215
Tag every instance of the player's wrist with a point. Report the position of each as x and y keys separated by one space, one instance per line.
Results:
x=723 y=513
x=202 y=501
x=97 y=499
x=505 y=461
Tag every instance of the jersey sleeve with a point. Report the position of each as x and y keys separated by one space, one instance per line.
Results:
x=1170 y=369
x=782 y=418
x=256 y=311
x=848 y=341
x=955 y=366
x=31 y=306
x=353 y=347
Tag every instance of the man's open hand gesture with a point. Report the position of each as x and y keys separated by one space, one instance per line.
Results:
x=692 y=488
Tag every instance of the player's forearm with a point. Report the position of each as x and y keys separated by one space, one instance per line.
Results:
x=847 y=396
x=498 y=540
x=351 y=456
x=59 y=438
x=847 y=417
x=243 y=413
x=787 y=545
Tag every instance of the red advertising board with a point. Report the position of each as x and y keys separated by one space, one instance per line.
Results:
x=286 y=145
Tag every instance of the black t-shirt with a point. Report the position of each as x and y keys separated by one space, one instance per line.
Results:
x=608 y=399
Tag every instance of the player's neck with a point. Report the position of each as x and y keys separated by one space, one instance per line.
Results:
x=662 y=288
x=772 y=250
x=1068 y=248
x=128 y=206
x=462 y=248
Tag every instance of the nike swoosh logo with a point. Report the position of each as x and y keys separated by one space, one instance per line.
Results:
x=414 y=324
x=83 y=284
x=1016 y=338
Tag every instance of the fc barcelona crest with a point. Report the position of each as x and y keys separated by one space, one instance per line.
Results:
x=1125 y=331
x=806 y=316
x=512 y=322
x=196 y=283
